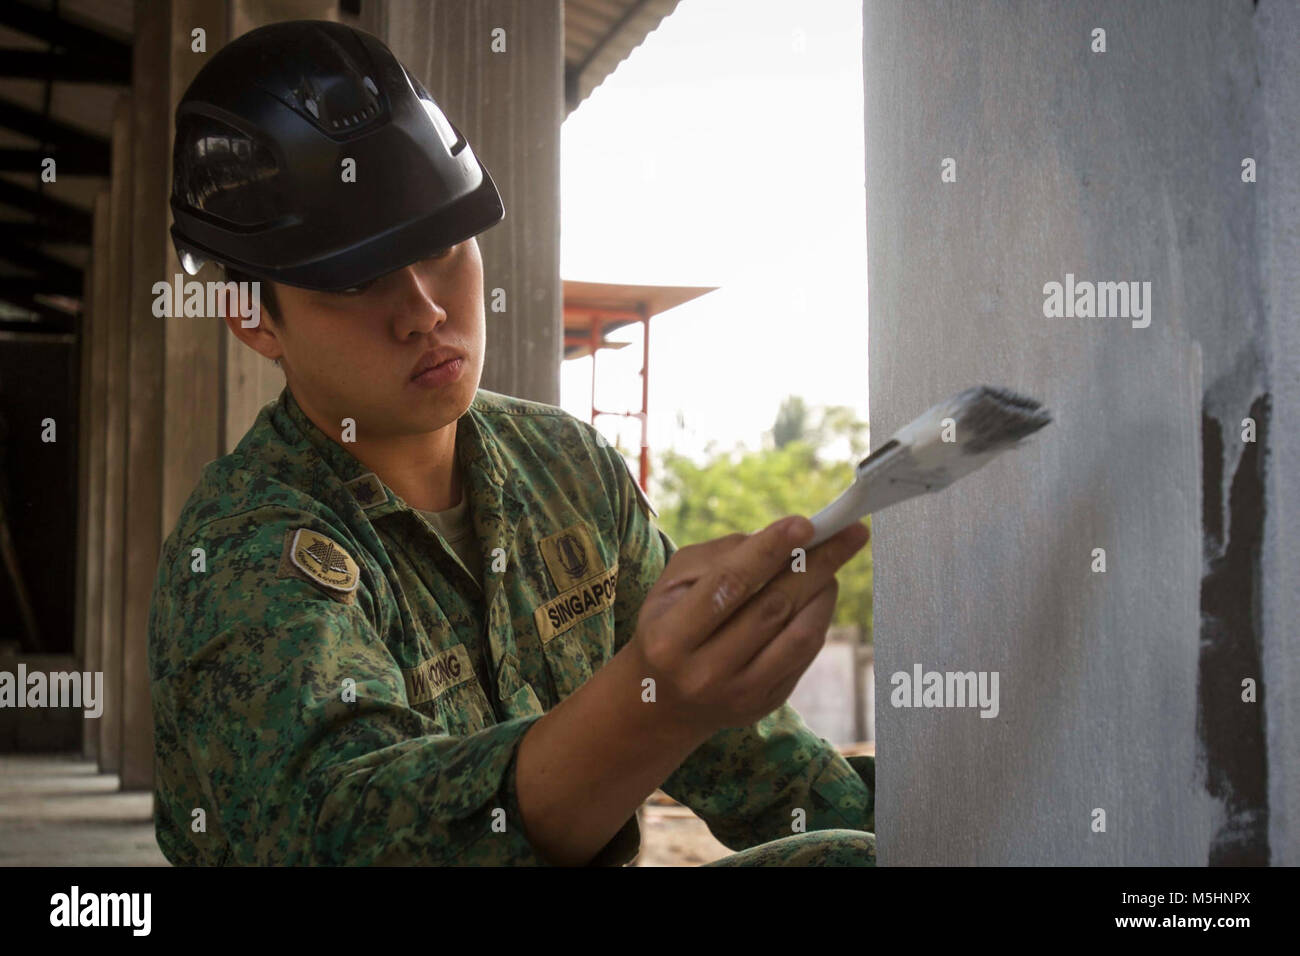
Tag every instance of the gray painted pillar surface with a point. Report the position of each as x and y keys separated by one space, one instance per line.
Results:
x=1117 y=693
x=510 y=106
x=1278 y=230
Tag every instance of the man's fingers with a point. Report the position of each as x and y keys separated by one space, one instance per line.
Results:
x=735 y=576
x=688 y=564
x=788 y=654
x=768 y=611
x=822 y=563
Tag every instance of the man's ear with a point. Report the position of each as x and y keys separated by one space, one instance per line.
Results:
x=251 y=329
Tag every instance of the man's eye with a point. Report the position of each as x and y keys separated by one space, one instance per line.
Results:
x=357 y=289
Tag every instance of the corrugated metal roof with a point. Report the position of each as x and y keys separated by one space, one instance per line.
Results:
x=599 y=35
x=80 y=116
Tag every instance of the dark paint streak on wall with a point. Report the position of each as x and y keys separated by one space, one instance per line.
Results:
x=1231 y=731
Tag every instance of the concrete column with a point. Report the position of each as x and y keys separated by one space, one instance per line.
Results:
x=1120 y=692
x=249 y=381
x=116 y=331
x=82 y=364
x=1277 y=31
x=192 y=351
x=150 y=87
x=94 y=361
x=510 y=106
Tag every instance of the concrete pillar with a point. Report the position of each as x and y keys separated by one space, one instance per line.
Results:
x=1119 y=692
x=510 y=106
x=116 y=331
x=192 y=366
x=1277 y=30
x=81 y=361
x=145 y=419
x=94 y=362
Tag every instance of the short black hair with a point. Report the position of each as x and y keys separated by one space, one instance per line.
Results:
x=266 y=293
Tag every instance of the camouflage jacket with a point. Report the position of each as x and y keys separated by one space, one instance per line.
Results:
x=332 y=686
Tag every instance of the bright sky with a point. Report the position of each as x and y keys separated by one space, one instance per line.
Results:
x=726 y=151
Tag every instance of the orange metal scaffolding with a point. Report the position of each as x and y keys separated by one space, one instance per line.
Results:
x=594 y=309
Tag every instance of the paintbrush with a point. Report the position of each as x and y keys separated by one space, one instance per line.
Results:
x=948 y=442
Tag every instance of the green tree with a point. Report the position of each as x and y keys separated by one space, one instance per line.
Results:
x=745 y=490
x=791 y=422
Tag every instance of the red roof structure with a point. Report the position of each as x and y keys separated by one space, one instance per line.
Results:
x=594 y=309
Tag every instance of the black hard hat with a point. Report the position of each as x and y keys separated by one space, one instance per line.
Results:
x=262 y=135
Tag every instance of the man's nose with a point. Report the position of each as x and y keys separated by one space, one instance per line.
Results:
x=420 y=306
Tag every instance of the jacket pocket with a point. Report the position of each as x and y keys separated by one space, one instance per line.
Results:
x=579 y=651
x=515 y=696
x=463 y=709
x=445 y=688
x=576 y=630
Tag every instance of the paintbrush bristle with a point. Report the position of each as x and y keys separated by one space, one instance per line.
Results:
x=994 y=417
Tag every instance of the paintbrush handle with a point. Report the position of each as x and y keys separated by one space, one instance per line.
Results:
x=867 y=495
x=851 y=505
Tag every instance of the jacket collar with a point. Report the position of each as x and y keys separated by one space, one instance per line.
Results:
x=476 y=447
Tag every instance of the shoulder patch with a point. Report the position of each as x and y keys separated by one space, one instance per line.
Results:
x=322 y=561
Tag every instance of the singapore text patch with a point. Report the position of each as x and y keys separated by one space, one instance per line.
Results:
x=576 y=604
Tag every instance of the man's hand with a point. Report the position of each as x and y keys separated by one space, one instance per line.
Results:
x=729 y=628
x=726 y=633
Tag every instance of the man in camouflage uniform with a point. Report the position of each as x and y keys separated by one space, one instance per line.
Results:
x=401 y=588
